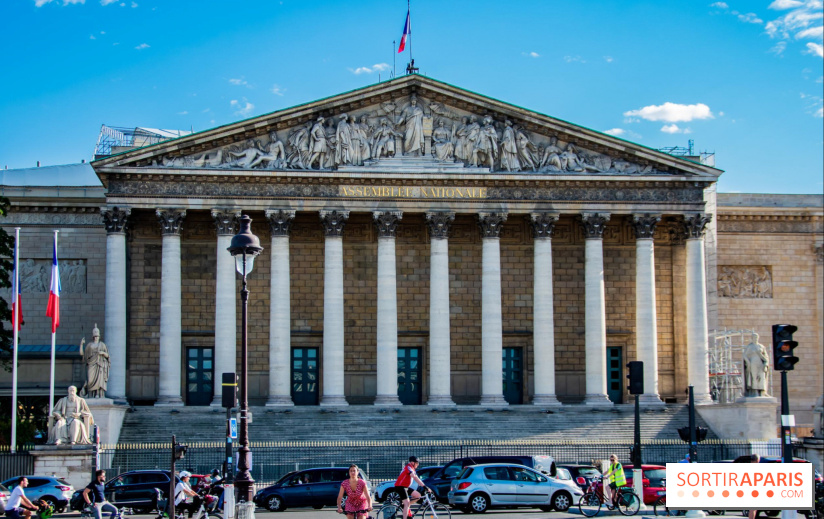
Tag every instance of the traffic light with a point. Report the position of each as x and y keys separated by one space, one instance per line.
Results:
x=633 y=457
x=636 y=377
x=700 y=434
x=783 y=346
x=180 y=451
x=229 y=395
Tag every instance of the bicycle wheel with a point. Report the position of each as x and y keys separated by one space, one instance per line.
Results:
x=590 y=504
x=389 y=511
x=628 y=503
x=437 y=512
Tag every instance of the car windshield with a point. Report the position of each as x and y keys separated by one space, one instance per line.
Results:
x=284 y=478
x=655 y=476
x=589 y=472
x=563 y=474
x=63 y=482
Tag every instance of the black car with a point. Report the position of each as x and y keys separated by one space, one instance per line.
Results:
x=138 y=489
x=440 y=482
x=312 y=487
x=582 y=475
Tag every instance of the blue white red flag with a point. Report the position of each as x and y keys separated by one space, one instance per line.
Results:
x=407 y=28
x=53 y=309
x=16 y=301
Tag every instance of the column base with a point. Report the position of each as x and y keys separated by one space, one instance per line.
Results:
x=597 y=400
x=387 y=401
x=650 y=400
x=440 y=401
x=546 y=401
x=703 y=399
x=280 y=401
x=169 y=401
x=217 y=401
x=333 y=401
x=493 y=401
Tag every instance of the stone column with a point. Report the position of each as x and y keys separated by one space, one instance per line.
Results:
x=280 y=310
x=492 y=339
x=115 y=219
x=595 y=318
x=543 y=325
x=440 y=357
x=333 y=223
x=225 y=301
x=646 y=315
x=387 y=223
x=171 y=221
x=697 y=327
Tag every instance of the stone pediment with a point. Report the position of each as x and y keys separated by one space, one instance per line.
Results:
x=409 y=124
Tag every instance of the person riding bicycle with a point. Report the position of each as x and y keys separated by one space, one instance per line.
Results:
x=183 y=491
x=18 y=504
x=617 y=479
x=96 y=489
x=403 y=482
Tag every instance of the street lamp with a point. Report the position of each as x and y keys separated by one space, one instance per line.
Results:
x=244 y=247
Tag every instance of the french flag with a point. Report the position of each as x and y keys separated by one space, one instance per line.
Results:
x=53 y=310
x=16 y=301
x=406 y=30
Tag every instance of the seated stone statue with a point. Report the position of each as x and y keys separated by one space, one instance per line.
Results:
x=71 y=420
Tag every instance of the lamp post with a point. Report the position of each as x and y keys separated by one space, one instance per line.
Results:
x=244 y=247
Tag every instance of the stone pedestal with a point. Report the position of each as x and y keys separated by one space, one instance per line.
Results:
x=812 y=449
x=108 y=417
x=74 y=463
x=753 y=418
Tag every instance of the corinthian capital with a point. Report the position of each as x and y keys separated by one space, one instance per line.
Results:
x=543 y=225
x=439 y=224
x=696 y=224
x=490 y=224
x=226 y=221
x=115 y=219
x=594 y=224
x=644 y=225
x=280 y=221
x=387 y=222
x=171 y=220
x=333 y=222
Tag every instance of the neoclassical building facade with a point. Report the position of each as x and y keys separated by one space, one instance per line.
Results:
x=422 y=245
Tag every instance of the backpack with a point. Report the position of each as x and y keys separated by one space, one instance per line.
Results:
x=77 y=502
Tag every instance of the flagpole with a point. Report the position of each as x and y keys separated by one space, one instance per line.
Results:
x=409 y=10
x=51 y=374
x=14 y=320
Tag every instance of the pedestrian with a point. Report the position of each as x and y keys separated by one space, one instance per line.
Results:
x=403 y=482
x=183 y=491
x=96 y=490
x=358 y=500
x=686 y=459
x=18 y=504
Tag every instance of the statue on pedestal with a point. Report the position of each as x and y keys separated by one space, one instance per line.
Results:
x=96 y=357
x=756 y=367
x=70 y=420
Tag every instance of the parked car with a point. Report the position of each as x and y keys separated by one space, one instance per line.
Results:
x=55 y=491
x=441 y=481
x=583 y=475
x=5 y=493
x=138 y=489
x=313 y=487
x=384 y=490
x=481 y=487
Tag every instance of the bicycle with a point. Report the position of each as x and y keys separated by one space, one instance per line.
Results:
x=428 y=508
x=626 y=501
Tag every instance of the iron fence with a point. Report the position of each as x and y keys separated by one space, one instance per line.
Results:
x=20 y=463
x=382 y=460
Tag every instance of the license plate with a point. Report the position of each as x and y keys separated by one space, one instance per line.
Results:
x=662 y=492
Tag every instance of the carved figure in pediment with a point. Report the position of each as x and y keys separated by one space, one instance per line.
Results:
x=595 y=161
x=176 y=162
x=299 y=141
x=273 y=155
x=412 y=120
x=629 y=168
x=443 y=148
x=318 y=145
x=343 y=138
x=551 y=156
x=211 y=159
x=486 y=146
x=332 y=141
x=360 y=151
x=246 y=157
x=460 y=139
x=473 y=133
x=384 y=140
x=509 y=149
x=570 y=161
x=526 y=149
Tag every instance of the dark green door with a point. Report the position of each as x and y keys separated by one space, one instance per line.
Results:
x=409 y=376
x=305 y=376
x=199 y=376
x=513 y=375
x=615 y=375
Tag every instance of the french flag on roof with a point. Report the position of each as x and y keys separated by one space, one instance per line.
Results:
x=53 y=309
x=406 y=30
x=16 y=301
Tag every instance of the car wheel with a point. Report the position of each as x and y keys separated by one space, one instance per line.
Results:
x=392 y=496
x=561 y=501
x=274 y=503
x=479 y=503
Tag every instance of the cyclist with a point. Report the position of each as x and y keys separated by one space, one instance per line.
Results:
x=403 y=482
x=97 y=490
x=18 y=504
x=183 y=491
x=616 y=479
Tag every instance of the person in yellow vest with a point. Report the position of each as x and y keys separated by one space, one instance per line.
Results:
x=616 y=479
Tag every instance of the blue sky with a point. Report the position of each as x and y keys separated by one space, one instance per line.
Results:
x=742 y=78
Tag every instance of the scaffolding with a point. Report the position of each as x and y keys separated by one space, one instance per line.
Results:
x=726 y=364
x=706 y=158
x=114 y=139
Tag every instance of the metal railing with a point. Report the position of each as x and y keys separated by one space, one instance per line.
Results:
x=20 y=463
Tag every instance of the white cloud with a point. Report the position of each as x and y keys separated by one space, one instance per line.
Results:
x=531 y=54
x=184 y=112
x=816 y=49
x=277 y=90
x=672 y=112
x=239 y=81
x=750 y=18
x=802 y=20
x=41 y=3
x=242 y=108
x=816 y=33
x=780 y=5
x=617 y=132
x=142 y=46
x=134 y=4
x=608 y=59
x=820 y=112
x=378 y=67
x=107 y=2
x=574 y=59
x=673 y=128
x=779 y=48
x=720 y=5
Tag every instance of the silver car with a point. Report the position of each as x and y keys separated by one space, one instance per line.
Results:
x=480 y=487
x=52 y=489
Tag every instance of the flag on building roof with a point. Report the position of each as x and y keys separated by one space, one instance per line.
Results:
x=406 y=30
x=16 y=301
x=53 y=309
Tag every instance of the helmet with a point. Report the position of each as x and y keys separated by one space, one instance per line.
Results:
x=185 y=474
x=215 y=472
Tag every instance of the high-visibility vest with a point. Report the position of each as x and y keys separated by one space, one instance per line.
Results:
x=617 y=475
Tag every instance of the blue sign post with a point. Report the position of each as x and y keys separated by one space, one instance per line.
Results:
x=233 y=428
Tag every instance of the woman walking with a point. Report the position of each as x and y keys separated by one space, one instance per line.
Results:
x=358 y=501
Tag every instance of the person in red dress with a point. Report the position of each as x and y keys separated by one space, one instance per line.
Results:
x=358 y=500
